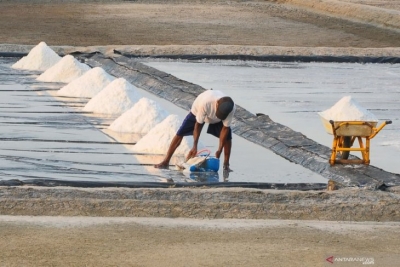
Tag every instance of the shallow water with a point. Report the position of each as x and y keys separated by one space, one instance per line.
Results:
x=44 y=136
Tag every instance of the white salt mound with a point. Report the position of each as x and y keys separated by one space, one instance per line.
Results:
x=141 y=118
x=65 y=71
x=158 y=139
x=87 y=85
x=347 y=109
x=40 y=58
x=116 y=98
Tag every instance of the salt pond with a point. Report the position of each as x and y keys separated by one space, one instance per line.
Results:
x=293 y=93
x=47 y=136
x=44 y=135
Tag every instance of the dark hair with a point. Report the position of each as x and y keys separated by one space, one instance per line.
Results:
x=224 y=107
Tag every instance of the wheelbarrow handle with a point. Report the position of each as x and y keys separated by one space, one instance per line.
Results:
x=376 y=130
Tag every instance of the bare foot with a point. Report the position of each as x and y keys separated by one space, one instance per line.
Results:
x=162 y=165
x=227 y=169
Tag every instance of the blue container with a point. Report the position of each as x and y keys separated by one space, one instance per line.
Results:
x=211 y=164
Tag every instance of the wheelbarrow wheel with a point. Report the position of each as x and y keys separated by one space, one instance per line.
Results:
x=346 y=144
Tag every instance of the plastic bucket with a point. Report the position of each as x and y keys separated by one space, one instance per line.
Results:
x=211 y=164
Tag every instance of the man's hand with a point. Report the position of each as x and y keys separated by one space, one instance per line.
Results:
x=218 y=154
x=192 y=153
x=196 y=135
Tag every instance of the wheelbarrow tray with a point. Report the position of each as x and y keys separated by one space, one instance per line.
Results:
x=346 y=128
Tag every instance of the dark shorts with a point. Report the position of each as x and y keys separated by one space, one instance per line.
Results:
x=188 y=123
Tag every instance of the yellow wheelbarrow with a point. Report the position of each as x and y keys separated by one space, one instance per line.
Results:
x=344 y=135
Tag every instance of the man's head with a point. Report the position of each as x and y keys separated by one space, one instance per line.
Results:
x=224 y=107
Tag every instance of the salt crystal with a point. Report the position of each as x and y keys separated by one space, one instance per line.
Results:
x=87 y=85
x=348 y=109
x=65 y=71
x=158 y=139
x=141 y=118
x=40 y=58
x=116 y=98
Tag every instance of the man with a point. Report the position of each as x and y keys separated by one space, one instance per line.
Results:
x=211 y=107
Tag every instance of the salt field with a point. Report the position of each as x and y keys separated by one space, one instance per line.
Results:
x=123 y=130
x=294 y=93
x=51 y=137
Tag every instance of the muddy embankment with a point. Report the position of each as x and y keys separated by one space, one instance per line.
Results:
x=375 y=13
x=341 y=205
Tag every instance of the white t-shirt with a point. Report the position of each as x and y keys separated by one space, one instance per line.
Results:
x=205 y=106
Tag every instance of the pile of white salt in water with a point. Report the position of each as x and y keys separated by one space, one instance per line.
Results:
x=157 y=140
x=64 y=71
x=115 y=99
x=56 y=69
x=40 y=58
x=109 y=96
x=348 y=109
x=141 y=118
x=87 y=85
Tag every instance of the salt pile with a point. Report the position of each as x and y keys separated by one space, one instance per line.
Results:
x=65 y=71
x=87 y=85
x=348 y=109
x=40 y=58
x=157 y=140
x=141 y=118
x=114 y=99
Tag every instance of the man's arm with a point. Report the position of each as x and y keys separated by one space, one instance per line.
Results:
x=222 y=140
x=196 y=136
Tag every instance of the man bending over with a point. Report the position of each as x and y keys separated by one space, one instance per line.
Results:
x=211 y=107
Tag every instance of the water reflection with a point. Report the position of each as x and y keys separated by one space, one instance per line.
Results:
x=225 y=175
x=202 y=177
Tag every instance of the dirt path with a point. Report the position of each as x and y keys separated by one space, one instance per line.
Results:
x=79 y=241
x=255 y=23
